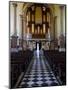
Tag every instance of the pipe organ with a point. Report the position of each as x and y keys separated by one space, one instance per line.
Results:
x=38 y=20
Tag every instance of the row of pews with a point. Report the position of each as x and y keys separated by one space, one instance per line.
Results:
x=57 y=61
x=19 y=63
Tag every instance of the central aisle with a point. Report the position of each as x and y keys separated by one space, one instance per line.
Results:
x=39 y=73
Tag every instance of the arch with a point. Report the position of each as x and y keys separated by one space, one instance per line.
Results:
x=48 y=10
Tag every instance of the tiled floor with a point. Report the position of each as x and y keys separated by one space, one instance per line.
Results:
x=38 y=73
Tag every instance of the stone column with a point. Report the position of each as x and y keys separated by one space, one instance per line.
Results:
x=63 y=18
x=24 y=23
x=15 y=9
x=61 y=9
x=21 y=32
x=14 y=36
x=62 y=34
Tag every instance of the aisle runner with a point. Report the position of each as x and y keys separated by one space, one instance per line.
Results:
x=38 y=74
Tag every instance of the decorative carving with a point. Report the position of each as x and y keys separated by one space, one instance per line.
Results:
x=33 y=17
x=15 y=4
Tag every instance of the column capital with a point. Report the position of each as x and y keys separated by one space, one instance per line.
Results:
x=15 y=4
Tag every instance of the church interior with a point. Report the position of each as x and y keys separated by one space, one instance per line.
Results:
x=37 y=44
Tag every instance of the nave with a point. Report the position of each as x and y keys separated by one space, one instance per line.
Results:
x=37 y=44
x=39 y=73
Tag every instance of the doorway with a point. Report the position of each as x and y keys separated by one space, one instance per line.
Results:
x=38 y=45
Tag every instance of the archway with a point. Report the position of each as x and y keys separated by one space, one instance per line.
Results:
x=39 y=18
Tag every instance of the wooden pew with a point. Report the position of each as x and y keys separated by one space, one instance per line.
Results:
x=57 y=61
x=18 y=64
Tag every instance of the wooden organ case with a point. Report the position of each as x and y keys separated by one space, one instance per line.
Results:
x=38 y=20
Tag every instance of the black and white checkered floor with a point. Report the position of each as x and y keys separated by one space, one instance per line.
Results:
x=38 y=73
